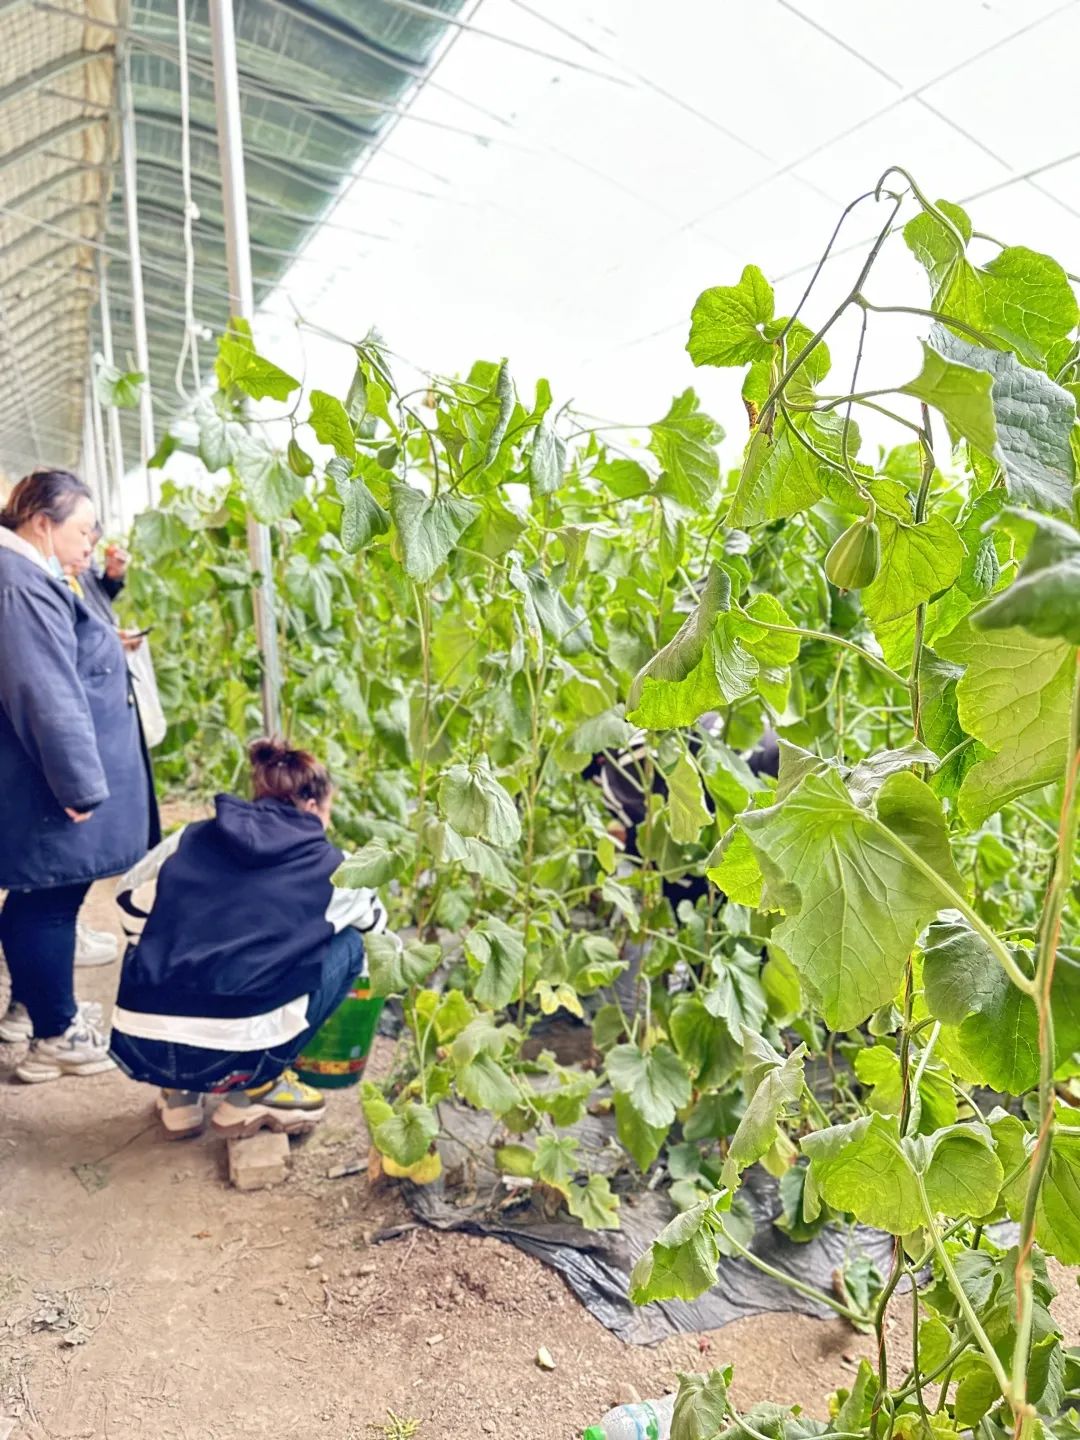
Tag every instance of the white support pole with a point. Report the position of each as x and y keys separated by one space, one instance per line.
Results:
x=242 y=303
x=147 y=443
x=116 y=445
x=97 y=430
x=88 y=459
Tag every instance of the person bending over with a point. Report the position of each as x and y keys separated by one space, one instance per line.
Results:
x=247 y=948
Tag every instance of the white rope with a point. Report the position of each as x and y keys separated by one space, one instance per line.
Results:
x=190 y=344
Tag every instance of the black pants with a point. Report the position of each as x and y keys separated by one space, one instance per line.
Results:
x=37 y=931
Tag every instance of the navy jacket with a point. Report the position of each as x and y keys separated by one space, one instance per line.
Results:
x=69 y=736
x=242 y=916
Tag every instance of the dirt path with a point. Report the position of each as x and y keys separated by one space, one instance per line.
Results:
x=140 y=1296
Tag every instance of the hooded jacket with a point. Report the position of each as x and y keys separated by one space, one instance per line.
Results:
x=238 y=930
x=69 y=734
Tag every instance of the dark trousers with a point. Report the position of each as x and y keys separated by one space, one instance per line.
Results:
x=37 y=931
x=191 y=1067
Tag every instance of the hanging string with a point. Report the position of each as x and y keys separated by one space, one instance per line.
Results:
x=190 y=345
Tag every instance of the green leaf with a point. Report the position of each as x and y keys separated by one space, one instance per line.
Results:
x=331 y=424
x=853 y=900
x=1044 y=599
x=701 y=1406
x=782 y=476
x=687 y=813
x=644 y=1142
x=1057 y=1215
x=500 y=952
x=594 y=1204
x=1028 y=301
x=362 y=519
x=1034 y=420
x=960 y=393
x=475 y=803
x=701 y=668
x=238 y=364
x=429 y=527
x=934 y=1106
x=725 y=325
x=708 y=1049
x=373 y=865
x=272 y=488
x=407 y=1136
x=684 y=442
x=483 y=1083
x=681 y=1262
x=556 y=1161
x=395 y=968
x=866 y=1169
x=547 y=460
x=1014 y=697
x=656 y=1081
x=504 y=396
x=733 y=868
x=217 y=435
x=771 y=1083
x=121 y=389
x=936 y=247
x=917 y=561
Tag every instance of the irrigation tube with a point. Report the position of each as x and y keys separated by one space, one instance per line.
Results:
x=242 y=303
x=138 y=301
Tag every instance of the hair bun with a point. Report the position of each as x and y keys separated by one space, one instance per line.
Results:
x=269 y=750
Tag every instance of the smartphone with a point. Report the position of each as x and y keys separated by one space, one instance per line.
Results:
x=138 y=634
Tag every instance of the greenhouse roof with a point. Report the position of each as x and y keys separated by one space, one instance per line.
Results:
x=320 y=83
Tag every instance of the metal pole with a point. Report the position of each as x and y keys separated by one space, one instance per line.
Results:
x=242 y=301
x=116 y=444
x=138 y=300
x=88 y=458
x=97 y=429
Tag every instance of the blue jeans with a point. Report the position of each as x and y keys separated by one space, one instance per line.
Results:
x=37 y=931
x=191 y=1067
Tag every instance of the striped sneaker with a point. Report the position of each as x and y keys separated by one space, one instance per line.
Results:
x=81 y=1050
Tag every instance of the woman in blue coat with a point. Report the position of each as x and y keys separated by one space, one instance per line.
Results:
x=75 y=802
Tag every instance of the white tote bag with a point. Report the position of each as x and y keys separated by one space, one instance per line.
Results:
x=141 y=665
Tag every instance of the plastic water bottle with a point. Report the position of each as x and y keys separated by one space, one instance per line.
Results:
x=648 y=1420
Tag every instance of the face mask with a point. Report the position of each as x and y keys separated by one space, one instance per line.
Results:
x=56 y=570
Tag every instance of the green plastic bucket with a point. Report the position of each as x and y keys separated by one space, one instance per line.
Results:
x=336 y=1055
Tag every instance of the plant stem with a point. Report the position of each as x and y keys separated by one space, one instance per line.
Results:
x=920 y=613
x=831 y=639
x=1057 y=890
x=966 y=1309
x=808 y=1290
x=950 y=320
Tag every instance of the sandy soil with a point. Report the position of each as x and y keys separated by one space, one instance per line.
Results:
x=141 y=1296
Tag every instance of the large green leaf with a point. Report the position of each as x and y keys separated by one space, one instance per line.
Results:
x=853 y=899
x=476 y=803
x=644 y=1142
x=363 y=518
x=726 y=323
x=376 y=863
x=1057 y=1214
x=656 y=1081
x=1014 y=697
x=864 y=1167
x=331 y=424
x=782 y=475
x=703 y=666
x=594 y=1204
x=239 y=365
x=406 y=1137
x=681 y=1262
x=917 y=560
x=772 y=1083
x=1044 y=599
x=394 y=968
x=961 y=394
x=500 y=954
x=685 y=442
x=429 y=527
x=701 y=1406
x=272 y=487
x=708 y=1048
x=119 y=388
x=547 y=460
x=1034 y=419
x=556 y=1161
x=485 y=1084
x=1028 y=301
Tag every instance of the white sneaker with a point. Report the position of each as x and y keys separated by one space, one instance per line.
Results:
x=16 y=1026
x=81 y=1050
x=94 y=947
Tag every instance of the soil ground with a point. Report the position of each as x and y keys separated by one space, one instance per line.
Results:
x=141 y=1296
